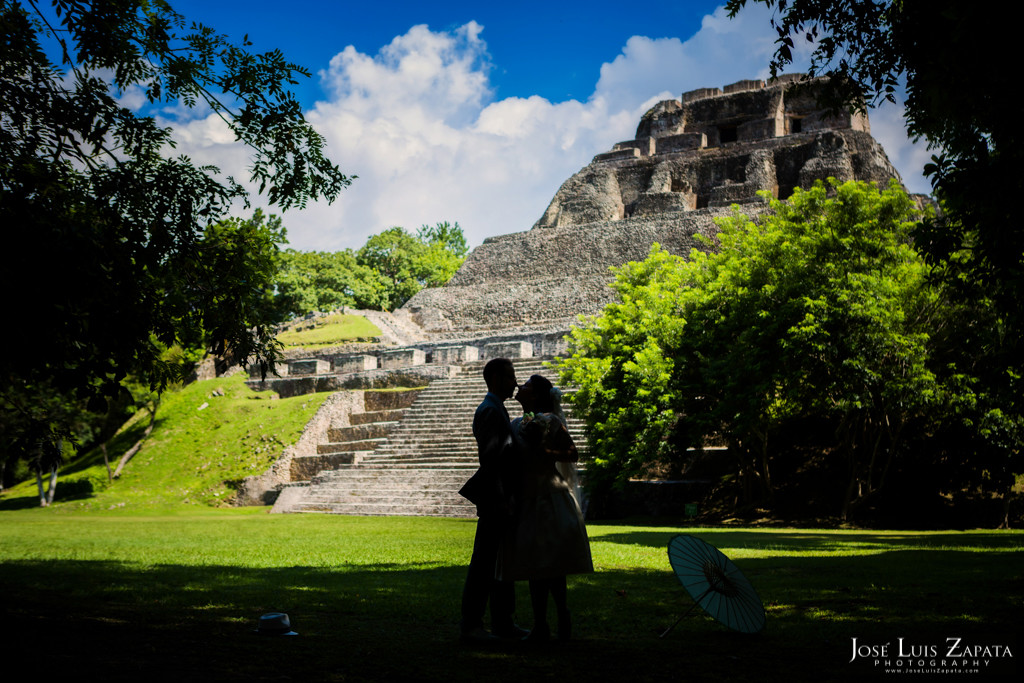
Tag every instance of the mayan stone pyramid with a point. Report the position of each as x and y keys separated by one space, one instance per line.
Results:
x=691 y=159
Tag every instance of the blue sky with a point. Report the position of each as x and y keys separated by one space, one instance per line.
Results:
x=551 y=49
x=477 y=112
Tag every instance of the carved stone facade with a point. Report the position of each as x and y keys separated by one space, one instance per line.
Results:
x=691 y=159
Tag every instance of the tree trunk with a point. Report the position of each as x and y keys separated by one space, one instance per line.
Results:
x=767 y=490
x=868 y=479
x=745 y=486
x=106 y=461
x=1007 y=497
x=52 y=489
x=138 y=444
x=46 y=496
x=848 y=500
x=850 y=428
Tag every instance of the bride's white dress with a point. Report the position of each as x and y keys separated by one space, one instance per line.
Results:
x=549 y=538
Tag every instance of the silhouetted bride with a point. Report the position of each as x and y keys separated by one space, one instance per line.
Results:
x=549 y=539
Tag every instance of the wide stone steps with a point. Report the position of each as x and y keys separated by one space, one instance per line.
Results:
x=429 y=438
x=344 y=446
x=392 y=509
x=385 y=474
x=375 y=416
x=382 y=497
x=422 y=449
x=372 y=430
x=422 y=461
x=411 y=461
x=423 y=490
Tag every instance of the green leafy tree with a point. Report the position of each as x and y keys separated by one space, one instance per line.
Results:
x=408 y=263
x=950 y=55
x=237 y=262
x=383 y=274
x=821 y=310
x=445 y=253
x=395 y=255
x=114 y=254
x=326 y=281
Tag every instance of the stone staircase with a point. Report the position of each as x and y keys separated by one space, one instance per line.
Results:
x=397 y=327
x=382 y=413
x=419 y=467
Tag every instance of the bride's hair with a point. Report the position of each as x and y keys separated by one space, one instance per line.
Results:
x=542 y=399
x=547 y=397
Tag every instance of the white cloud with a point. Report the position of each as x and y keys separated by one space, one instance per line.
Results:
x=419 y=77
x=133 y=98
x=723 y=51
x=418 y=124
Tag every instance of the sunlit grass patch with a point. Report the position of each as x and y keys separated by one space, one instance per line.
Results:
x=329 y=330
x=208 y=436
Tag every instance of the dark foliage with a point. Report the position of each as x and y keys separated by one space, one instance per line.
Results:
x=111 y=255
x=953 y=58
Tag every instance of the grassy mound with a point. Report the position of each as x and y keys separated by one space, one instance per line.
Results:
x=208 y=436
x=329 y=330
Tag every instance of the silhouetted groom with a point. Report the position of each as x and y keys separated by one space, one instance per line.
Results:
x=489 y=491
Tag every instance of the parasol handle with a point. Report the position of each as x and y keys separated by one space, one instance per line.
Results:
x=685 y=614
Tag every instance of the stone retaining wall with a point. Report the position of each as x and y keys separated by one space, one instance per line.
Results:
x=416 y=376
x=262 y=489
x=334 y=414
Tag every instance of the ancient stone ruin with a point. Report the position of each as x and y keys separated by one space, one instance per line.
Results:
x=691 y=159
x=518 y=295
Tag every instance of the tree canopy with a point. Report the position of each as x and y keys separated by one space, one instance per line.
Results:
x=310 y=281
x=119 y=251
x=820 y=311
x=407 y=263
x=382 y=274
x=952 y=56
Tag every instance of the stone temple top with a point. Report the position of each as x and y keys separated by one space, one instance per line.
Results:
x=719 y=147
x=691 y=159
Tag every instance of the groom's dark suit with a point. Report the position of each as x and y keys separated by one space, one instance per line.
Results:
x=488 y=491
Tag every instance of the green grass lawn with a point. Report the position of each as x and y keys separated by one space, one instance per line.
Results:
x=176 y=595
x=208 y=435
x=329 y=331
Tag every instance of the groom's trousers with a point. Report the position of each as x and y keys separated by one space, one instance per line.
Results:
x=480 y=581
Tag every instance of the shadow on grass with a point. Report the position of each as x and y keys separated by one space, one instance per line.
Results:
x=73 y=490
x=71 y=482
x=801 y=541
x=18 y=502
x=396 y=622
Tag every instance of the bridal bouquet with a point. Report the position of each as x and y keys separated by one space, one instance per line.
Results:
x=546 y=432
x=537 y=426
